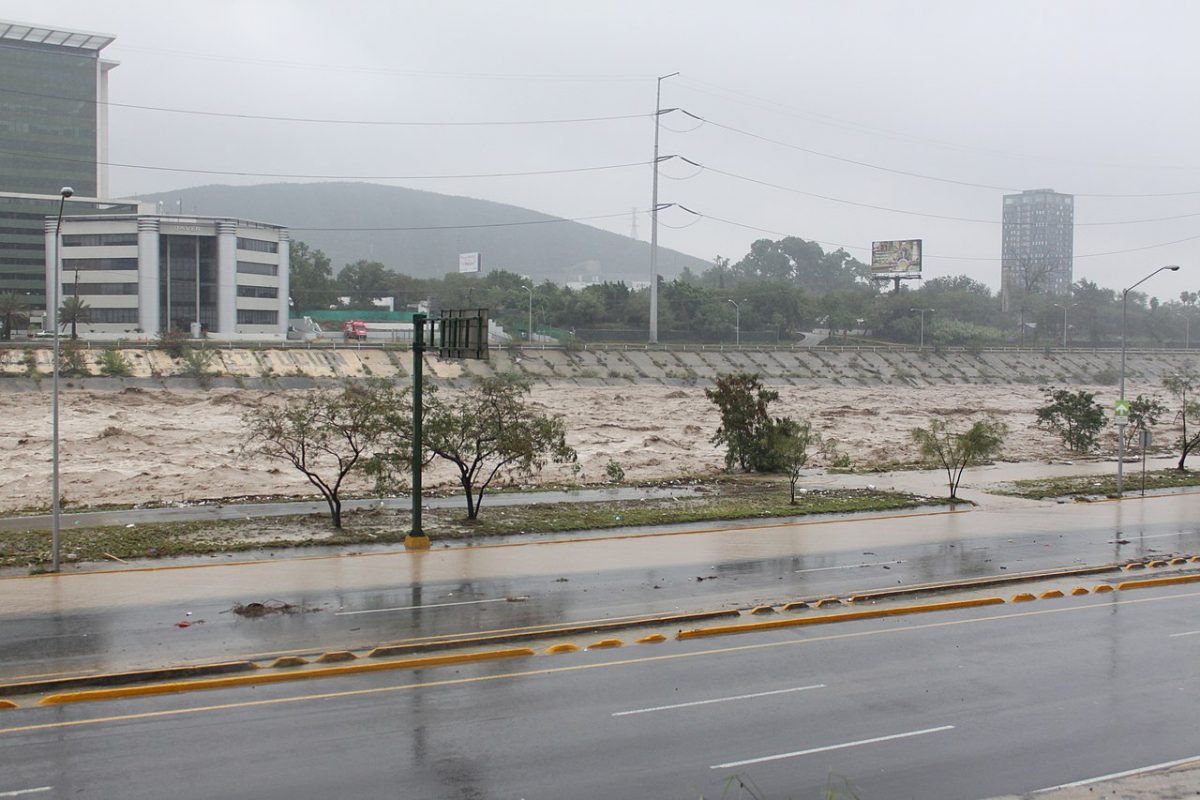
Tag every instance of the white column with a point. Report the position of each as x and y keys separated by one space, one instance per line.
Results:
x=51 y=271
x=284 y=281
x=148 y=275
x=227 y=277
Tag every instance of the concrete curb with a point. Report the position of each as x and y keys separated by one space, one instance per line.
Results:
x=849 y=616
x=121 y=678
x=519 y=636
x=978 y=583
x=1150 y=582
x=280 y=677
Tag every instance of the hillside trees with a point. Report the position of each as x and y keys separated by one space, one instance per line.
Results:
x=310 y=278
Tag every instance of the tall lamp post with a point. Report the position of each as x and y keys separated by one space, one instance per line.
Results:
x=654 y=215
x=55 y=509
x=737 y=322
x=1064 y=308
x=923 y=311
x=1124 y=310
x=529 y=330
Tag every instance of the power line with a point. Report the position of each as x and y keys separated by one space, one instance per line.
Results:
x=920 y=175
x=830 y=198
x=550 y=221
x=338 y=177
x=328 y=121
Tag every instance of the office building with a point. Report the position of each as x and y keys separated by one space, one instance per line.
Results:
x=143 y=273
x=1037 y=246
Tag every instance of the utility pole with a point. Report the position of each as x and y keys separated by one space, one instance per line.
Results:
x=55 y=503
x=654 y=215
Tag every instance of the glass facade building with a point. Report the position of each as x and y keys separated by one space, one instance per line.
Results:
x=1037 y=246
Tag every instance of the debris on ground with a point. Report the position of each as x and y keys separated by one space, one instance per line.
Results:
x=269 y=607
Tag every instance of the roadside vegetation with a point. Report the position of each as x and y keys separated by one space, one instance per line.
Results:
x=1098 y=485
x=725 y=498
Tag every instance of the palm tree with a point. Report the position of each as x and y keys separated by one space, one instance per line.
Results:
x=72 y=312
x=11 y=308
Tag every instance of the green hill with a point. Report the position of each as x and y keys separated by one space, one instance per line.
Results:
x=559 y=251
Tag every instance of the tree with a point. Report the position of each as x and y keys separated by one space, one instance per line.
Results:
x=74 y=311
x=745 y=421
x=954 y=451
x=327 y=434
x=1180 y=386
x=310 y=278
x=12 y=307
x=1144 y=412
x=363 y=281
x=1076 y=416
x=490 y=430
x=791 y=444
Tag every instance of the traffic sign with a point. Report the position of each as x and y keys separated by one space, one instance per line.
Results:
x=1121 y=412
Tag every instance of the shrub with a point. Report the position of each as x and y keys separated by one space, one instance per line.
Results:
x=114 y=365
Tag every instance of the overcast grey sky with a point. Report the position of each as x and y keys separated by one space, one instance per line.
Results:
x=1085 y=97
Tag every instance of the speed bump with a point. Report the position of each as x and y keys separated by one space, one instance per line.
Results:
x=7 y=704
x=604 y=643
x=653 y=638
x=1023 y=597
x=1100 y=588
x=1078 y=590
x=1051 y=594
x=565 y=647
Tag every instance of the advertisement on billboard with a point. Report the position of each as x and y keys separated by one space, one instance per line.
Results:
x=470 y=262
x=900 y=257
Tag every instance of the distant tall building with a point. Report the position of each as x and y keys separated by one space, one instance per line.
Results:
x=53 y=133
x=1037 y=245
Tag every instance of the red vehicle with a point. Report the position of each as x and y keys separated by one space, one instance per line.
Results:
x=354 y=329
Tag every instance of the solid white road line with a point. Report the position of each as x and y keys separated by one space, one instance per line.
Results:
x=848 y=566
x=1155 y=536
x=23 y=792
x=1188 y=633
x=717 y=700
x=1165 y=765
x=411 y=608
x=843 y=745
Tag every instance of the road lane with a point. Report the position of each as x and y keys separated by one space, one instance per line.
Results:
x=1076 y=688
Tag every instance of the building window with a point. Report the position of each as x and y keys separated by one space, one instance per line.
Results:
x=257 y=245
x=246 y=316
x=250 y=268
x=99 y=239
x=70 y=289
x=100 y=263
x=258 y=291
x=114 y=315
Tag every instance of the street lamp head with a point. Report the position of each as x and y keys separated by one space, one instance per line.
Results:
x=67 y=191
x=1173 y=267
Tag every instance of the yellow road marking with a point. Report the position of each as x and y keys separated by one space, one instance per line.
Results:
x=1106 y=604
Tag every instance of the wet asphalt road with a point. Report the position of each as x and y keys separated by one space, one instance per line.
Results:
x=957 y=705
x=80 y=623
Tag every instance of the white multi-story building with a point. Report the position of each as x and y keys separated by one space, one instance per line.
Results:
x=140 y=274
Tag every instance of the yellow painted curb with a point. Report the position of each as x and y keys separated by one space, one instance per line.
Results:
x=555 y=649
x=653 y=638
x=1100 y=588
x=416 y=542
x=280 y=677
x=1149 y=582
x=762 y=610
x=1156 y=564
x=1051 y=594
x=828 y=601
x=1135 y=565
x=1023 y=597
x=848 y=616
x=1078 y=590
x=289 y=661
x=336 y=655
x=603 y=643
x=1178 y=560
x=799 y=604
x=7 y=704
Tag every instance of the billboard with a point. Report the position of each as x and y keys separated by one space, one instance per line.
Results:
x=469 y=262
x=900 y=257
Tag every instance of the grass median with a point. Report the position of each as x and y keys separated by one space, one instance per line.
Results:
x=1099 y=485
x=713 y=500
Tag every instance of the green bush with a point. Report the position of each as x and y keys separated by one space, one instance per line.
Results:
x=114 y=365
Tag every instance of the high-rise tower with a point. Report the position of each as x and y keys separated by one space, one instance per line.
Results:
x=1037 y=245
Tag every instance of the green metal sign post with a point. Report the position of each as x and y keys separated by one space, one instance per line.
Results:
x=416 y=538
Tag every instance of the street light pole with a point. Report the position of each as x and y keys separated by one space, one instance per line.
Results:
x=529 y=330
x=1064 y=308
x=55 y=505
x=654 y=216
x=737 y=322
x=1124 y=312
x=922 y=311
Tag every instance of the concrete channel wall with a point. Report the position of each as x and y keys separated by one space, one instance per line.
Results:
x=25 y=368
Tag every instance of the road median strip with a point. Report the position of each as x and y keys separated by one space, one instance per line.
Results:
x=122 y=678
x=848 y=616
x=281 y=677
x=1147 y=583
